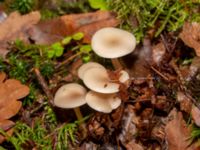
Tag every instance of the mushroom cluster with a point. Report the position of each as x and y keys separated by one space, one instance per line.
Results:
x=107 y=43
x=102 y=96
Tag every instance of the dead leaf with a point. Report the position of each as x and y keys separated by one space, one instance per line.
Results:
x=6 y=124
x=10 y=110
x=15 y=27
x=158 y=52
x=47 y=32
x=185 y=103
x=134 y=146
x=177 y=133
x=191 y=35
x=16 y=89
x=196 y=115
x=138 y=63
x=9 y=133
x=2 y=77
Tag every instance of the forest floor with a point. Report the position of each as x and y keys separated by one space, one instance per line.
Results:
x=43 y=45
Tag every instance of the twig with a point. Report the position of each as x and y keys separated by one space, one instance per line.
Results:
x=159 y=73
x=67 y=60
x=182 y=84
x=44 y=85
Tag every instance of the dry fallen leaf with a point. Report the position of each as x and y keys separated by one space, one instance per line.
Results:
x=191 y=35
x=158 y=52
x=196 y=115
x=10 y=91
x=47 y=32
x=177 y=133
x=185 y=103
x=15 y=27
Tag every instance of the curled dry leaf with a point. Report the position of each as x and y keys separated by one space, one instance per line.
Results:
x=15 y=27
x=177 y=133
x=191 y=35
x=47 y=32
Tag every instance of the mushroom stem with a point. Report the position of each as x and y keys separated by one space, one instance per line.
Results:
x=78 y=113
x=116 y=63
x=80 y=117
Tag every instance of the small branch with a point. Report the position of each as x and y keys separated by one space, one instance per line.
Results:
x=182 y=84
x=65 y=62
x=159 y=73
x=44 y=85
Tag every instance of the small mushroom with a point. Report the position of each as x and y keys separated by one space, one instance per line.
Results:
x=124 y=76
x=112 y=42
x=70 y=96
x=87 y=66
x=97 y=79
x=102 y=102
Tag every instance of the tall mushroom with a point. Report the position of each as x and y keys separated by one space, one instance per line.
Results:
x=71 y=95
x=113 y=43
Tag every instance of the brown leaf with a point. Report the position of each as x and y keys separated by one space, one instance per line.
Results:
x=196 y=115
x=191 y=35
x=10 y=110
x=16 y=89
x=134 y=146
x=9 y=133
x=6 y=124
x=185 y=103
x=15 y=27
x=177 y=133
x=47 y=32
x=2 y=77
x=158 y=52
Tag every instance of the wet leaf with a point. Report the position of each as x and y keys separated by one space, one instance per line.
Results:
x=191 y=35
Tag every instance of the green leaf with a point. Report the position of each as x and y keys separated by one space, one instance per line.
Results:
x=86 y=58
x=98 y=4
x=58 y=49
x=85 y=49
x=78 y=36
x=66 y=40
x=50 y=53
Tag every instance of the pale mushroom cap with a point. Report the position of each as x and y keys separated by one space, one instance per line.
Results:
x=124 y=76
x=87 y=66
x=102 y=102
x=70 y=96
x=113 y=42
x=97 y=79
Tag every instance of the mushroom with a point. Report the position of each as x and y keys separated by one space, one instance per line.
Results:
x=87 y=66
x=113 y=43
x=97 y=79
x=71 y=95
x=124 y=76
x=102 y=102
